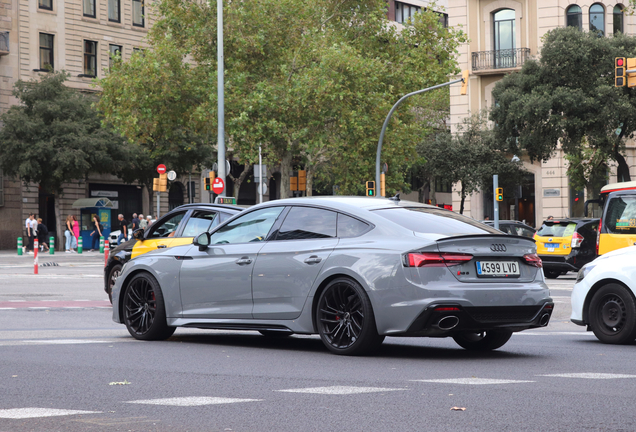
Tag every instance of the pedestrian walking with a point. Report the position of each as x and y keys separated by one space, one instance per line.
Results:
x=123 y=229
x=135 y=223
x=149 y=220
x=143 y=223
x=30 y=225
x=69 y=233
x=76 y=230
x=43 y=234
x=98 y=230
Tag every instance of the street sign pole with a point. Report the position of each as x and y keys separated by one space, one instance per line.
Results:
x=158 y=195
x=220 y=92
x=386 y=123
x=260 y=176
x=495 y=185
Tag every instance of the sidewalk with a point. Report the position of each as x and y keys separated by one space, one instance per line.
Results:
x=10 y=258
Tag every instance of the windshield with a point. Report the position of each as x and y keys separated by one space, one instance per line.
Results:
x=434 y=221
x=621 y=215
x=559 y=229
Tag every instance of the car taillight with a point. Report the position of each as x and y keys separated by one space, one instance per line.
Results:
x=533 y=260
x=432 y=259
x=577 y=239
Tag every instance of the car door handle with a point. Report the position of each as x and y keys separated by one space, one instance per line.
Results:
x=161 y=246
x=313 y=259
x=244 y=261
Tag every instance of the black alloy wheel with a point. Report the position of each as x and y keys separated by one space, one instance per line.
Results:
x=483 y=341
x=613 y=314
x=113 y=274
x=144 y=310
x=345 y=319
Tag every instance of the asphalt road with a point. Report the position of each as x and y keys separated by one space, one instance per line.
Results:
x=64 y=365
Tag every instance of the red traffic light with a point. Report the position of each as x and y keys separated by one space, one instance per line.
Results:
x=619 y=61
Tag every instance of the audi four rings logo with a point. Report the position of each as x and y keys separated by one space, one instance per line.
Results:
x=498 y=247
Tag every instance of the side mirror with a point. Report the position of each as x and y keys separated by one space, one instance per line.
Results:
x=202 y=240
x=138 y=234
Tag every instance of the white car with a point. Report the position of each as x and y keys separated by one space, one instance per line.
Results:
x=603 y=296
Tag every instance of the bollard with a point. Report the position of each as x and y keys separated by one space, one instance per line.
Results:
x=106 y=250
x=101 y=244
x=35 y=256
x=51 y=245
x=19 y=246
x=80 y=245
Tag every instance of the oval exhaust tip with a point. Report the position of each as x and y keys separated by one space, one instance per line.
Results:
x=545 y=318
x=448 y=322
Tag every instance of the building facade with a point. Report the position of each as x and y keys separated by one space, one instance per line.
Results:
x=503 y=34
x=80 y=37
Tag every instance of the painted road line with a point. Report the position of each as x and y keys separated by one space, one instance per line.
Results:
x=192 y=401
x=585 y=375
x=472 y=381
x=24 y=413
x=555 y=333
x=63 y=341
x=45 y=276
x=340 y=390
x=53 y=304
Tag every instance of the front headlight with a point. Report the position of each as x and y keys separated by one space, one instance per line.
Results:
x=583 y=272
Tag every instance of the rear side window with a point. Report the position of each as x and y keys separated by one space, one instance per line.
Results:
x=307 y=223
x=433 y=221
x=621 y=215
x=562 y=229
x=200 y=221
x=350 y=227
x=166 y=228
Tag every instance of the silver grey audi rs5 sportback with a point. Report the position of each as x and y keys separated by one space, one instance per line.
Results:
x=351 y=269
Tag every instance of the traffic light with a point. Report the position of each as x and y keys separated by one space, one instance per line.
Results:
x=382 y=184
x=302 y=180
x=499 y=194
x=631 y=76
x=293 y=183
x=370 y=188
x=209 y=181
x=155 y=184
x=619 y=72
x=163 y=182
x=464 y=88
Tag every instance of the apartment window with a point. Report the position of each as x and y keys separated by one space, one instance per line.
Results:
x=405 y=11
x=443 y=186
x=114 y=14
x=443 y=19
x=114 y=51
x=574 y=17
x=618 y=19
x=46 y=51
x=597 y=18
x=138 y=13
x=504 y=38
x=90 y=58
x=45 y=4
x=89 y=8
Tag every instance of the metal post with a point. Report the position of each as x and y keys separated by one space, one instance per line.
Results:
x=495 y=185
x=260 y=175
x=220 y=92
x=386 y=123
x=158 y=204
x=190 y=188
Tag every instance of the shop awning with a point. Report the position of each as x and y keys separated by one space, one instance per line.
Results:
x=102 y=202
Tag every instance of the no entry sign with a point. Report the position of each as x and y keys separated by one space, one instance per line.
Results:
x=161 y=169
x=218 y=185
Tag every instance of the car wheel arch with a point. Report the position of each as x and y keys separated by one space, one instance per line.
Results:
x=597 y=286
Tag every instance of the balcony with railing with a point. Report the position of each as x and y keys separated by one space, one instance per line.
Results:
x=500 y=61
x=4 y=43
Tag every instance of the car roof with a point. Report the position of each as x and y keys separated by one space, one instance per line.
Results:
x=208 y=205
x=345 y=202
x=570 y=220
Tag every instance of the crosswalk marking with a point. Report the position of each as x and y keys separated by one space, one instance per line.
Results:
x=340 y=390
x=472 y=381
x=586 y=375
x=24 y=413
x=63 y=341
x=192 y=401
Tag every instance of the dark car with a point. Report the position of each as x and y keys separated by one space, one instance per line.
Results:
x=513 y=227
x=177 y=227
x=566 y=244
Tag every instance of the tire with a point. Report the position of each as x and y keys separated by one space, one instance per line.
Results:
x=144 y=309
x=484 y=341
x=113 y=274
x=612 y=314
x=274 y=334
x=345 y=319
x=552 y=274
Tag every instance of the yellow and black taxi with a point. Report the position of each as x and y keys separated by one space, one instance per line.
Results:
x=566 y=244
x=175 y=228
x=618 y=223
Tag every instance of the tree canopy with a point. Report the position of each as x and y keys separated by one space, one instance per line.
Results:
x=567 y=97
x=309 y=81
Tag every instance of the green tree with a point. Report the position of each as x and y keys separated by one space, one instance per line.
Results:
x=55 y=135
x=470 y=157
x=309 y=81
x=567 y=98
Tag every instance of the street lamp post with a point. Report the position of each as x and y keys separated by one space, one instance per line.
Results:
x=220 y=93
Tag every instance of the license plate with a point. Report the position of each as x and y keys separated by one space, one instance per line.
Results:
x=497 y=268
x=552 y=245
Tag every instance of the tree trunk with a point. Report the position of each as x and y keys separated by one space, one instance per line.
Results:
x=622 y=171
x=431 y=194
x=310 y=179
x=461 y=205
x=285 y=173
x=239 y=181
x=59 y=239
